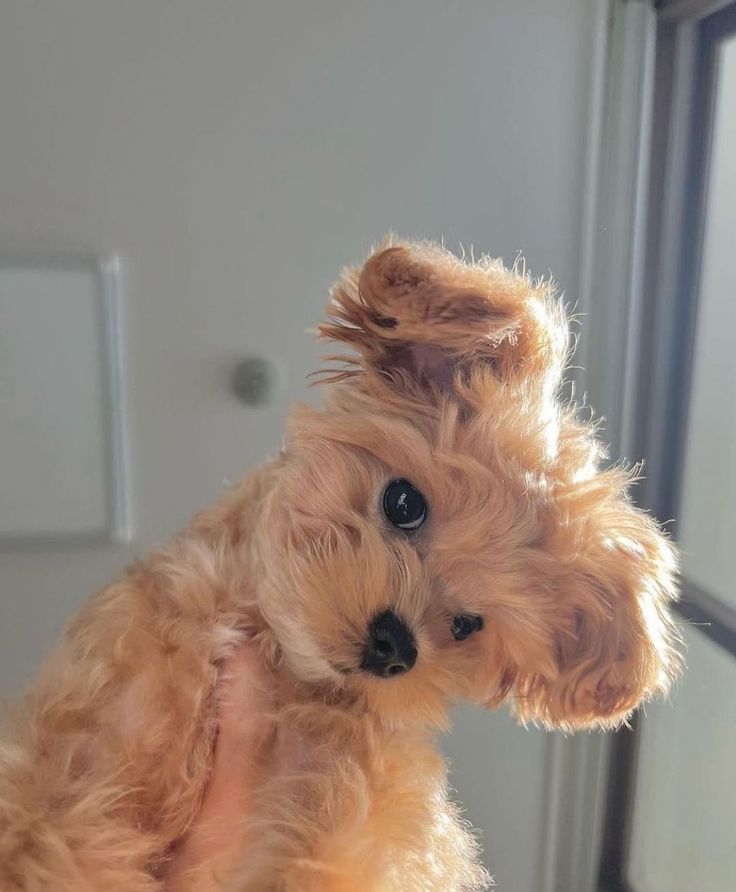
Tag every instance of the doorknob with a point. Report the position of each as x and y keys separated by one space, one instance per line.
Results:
x=254 y=381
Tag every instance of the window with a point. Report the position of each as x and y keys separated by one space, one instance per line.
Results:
x=672 y=785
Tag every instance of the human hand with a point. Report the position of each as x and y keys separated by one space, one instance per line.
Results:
x=211 y=850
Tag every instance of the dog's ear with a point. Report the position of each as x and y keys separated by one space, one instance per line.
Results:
x=420 y=317
x=613 y=575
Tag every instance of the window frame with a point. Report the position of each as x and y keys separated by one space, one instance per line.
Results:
x=680 y=127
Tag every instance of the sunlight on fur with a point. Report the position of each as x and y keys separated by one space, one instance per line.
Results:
x=505 y=566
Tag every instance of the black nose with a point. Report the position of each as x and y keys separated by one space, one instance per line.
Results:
x=390 y=649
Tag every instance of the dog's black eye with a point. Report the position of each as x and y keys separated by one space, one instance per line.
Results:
x=404 y=505
x=465 y=624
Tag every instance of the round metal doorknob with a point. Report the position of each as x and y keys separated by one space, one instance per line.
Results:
x=254 y=381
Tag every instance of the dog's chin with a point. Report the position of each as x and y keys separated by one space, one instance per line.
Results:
x=414 y=700
x=408 y=701
x=405 y=703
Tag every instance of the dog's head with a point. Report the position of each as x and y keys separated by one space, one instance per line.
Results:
x=441 y=528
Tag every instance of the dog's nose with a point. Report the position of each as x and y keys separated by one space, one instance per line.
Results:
x=390 y=649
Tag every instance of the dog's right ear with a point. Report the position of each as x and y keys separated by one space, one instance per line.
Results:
x=421 y=318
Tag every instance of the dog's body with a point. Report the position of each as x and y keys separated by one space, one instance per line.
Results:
x=109 y=775
x=509 y=568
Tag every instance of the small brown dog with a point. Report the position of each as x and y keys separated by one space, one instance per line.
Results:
x=440 y=530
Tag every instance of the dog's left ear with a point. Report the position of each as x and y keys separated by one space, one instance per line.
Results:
x=612 y=579
x=419 y=317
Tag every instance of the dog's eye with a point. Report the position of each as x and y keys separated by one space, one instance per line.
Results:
x=465 y=624
x=404 y=505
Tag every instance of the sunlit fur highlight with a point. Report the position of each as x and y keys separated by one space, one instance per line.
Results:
x=452 y=382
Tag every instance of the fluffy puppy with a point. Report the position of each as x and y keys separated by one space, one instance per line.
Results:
x=439 y=530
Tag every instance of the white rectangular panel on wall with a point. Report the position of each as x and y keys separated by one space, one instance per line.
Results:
x=61 y=442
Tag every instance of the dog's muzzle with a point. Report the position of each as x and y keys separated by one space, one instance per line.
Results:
x=390 y=648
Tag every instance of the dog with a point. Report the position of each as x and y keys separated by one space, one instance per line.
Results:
x=442 y=528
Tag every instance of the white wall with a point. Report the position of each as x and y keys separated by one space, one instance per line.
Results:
x=235 y=155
